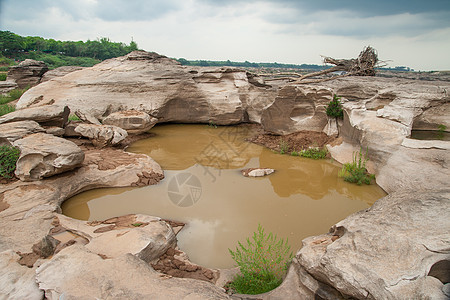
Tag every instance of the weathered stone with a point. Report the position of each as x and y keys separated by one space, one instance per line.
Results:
x=49 y=115
x=196 y=95
x=368 y=259
x=147 y=242
x=433 y=117
x=86 y=117
x=297 y=108
x=17 y=130
x=7 y=86
x=76 y=273
x=59 y=72
x=32 y=205
x=44 y=155
x=257 y=172
x=134 y=122
x=16 y=281
x=102 y=135
x=56 y=131
x=331 y=129
x=27 y=73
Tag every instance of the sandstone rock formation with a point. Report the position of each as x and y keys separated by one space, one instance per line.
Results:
x=7 y=86
x=76 y=273
x=297 y=108
x=387 y=251
x=27 y=73
x=48 y=115
x=140 y=81
x=16 y=130
x=102 y=135
x=43 y=155
x=134 y=122
x=59 y=72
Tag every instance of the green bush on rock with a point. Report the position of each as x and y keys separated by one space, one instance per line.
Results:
x=314 y=153
x=356 y=172
x=8 y=159
x=334 y=108
x=263 y=261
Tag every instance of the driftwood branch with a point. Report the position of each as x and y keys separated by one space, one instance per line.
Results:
x=363 y=65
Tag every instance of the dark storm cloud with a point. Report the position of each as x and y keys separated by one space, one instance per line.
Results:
x=364 y=8
x=122 y=10
x=111 y=10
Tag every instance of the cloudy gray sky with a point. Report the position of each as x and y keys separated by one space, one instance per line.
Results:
x=414 y=33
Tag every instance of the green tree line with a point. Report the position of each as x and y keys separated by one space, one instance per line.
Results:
x=247 y=64
x=16 y=46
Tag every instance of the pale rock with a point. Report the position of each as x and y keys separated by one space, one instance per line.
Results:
x=431 y=118
x=140 y=80
x=32 y=205
x=86 y=117
x=54 y=130
x=59 y=72
x=76 y=273
x=7 y=86
x=257 y=172
x=426 y=144
x=50 y=115
x=147 y=242
x=297 y=108
x=366 y=258
x=102 y=135
x=44 y=155
x=17 y=130
x=27 y=73
x=17 y=282
x=134 y=122
x=331 y=129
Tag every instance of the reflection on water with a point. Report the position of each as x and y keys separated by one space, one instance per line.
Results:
x=302 y=198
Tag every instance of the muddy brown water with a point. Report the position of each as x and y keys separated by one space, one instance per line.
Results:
x=204 y=188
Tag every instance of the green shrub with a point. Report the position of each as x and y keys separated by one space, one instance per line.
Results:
x=295 y=153
x=262 y=262
x=3 y=76
x=8 y=159
x=314 y=153
x=356 y=171
x=74 y=118
x=6 y=109
x=334 y=108
x=284 y=146
x=12 y=95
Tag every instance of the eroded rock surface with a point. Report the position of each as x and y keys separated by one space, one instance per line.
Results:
x=43 y=155
x=101 y=135
x=140 y=81
x=49 y=115
x=76 y=273
x=134 y=122
x=386 y=251
x=27 y=73
x=59 y=72
x=17 y=130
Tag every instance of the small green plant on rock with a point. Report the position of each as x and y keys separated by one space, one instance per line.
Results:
x=334 y=108
x=356 y=171
x=263 y=261
x=441 y=130
x=6 y=109
x=8 y=159
x=314 y=153
x=74 y=118
x=284 y=146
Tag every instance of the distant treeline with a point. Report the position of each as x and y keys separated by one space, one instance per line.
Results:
x=247 y=64
x=18 y=47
